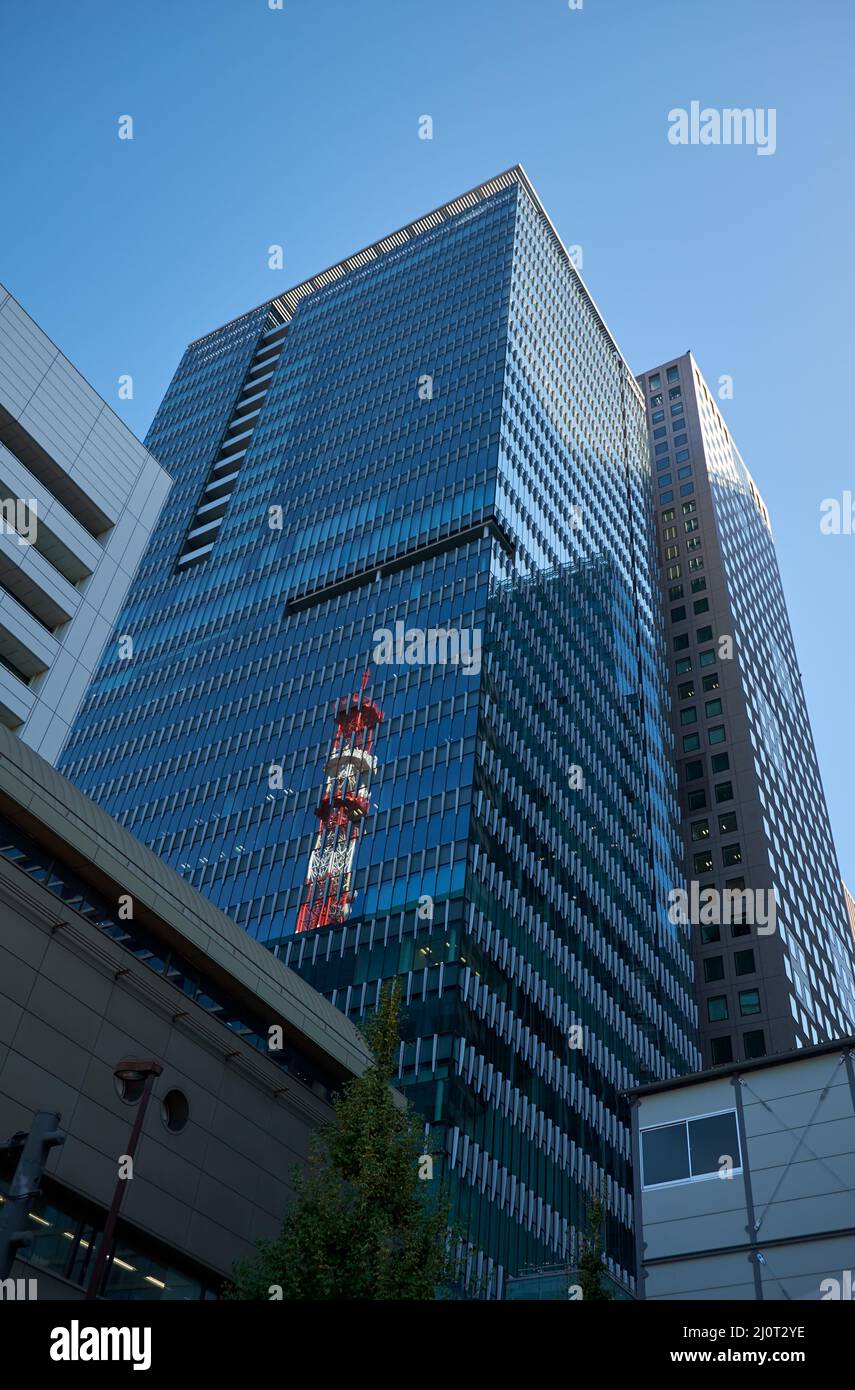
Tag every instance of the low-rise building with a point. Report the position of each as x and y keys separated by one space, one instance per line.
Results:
x=105 y=954
x=745 y=1179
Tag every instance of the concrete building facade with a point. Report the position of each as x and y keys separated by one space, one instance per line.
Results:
x=775 y=965
x=79 y=497
x=107 y=954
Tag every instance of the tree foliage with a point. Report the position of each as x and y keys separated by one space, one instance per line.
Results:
x=362 y=1224
x=590 y=1267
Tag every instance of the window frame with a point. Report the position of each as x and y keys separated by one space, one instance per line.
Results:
x=692 y=1178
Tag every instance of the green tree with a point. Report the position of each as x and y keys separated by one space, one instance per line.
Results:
x=590 y=1267
x=363 y=1222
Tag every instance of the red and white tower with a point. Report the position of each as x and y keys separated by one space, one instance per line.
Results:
x=344 y=805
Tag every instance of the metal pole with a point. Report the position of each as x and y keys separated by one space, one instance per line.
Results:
x=106 y=1242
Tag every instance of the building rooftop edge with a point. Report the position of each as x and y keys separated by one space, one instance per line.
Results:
x=393 y=240
x=776 y=1059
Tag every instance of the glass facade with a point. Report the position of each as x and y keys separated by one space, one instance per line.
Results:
x=441 y=434
x=67 y=1230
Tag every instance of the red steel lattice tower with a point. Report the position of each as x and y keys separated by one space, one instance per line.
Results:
x=343 y=807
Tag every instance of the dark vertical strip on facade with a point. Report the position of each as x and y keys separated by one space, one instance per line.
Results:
x=638 y=1220
x=751 y=1228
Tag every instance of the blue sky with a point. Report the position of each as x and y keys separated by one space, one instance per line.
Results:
x=299 y=127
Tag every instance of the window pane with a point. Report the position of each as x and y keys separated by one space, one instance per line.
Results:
x=712 y=1139
x=754 y=1044
x=749 y=1001
x=665 y=1154
x=722 y=1050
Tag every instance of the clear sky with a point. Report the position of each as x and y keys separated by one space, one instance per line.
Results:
x=299 y=127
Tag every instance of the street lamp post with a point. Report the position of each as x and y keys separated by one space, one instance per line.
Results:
x=129 y=1069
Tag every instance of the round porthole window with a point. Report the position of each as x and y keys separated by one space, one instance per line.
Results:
x=175 y=1111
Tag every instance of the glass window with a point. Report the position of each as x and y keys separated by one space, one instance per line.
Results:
x=731 y=854
x=689 y=715
x=686 y=489
x=665 y=480
x=711 y=682
x=675 y=591
x=681 y=643
x=700 y=829
x=656 y=400
x=727 y=823
x=720 y=762
x=717 y=1008
x=669 y=515
x=754 y=1044
x=712 y=708
x=691 y=743
x=724 y=791
x=694 y=771
x=668 y=497
x=749 y=1001
x=721 y=1050
x=710 y=1140
x=661 y=448
x=704 y=634
x=708 y=658
x=686 y=690
x=743 y=962
x=691 y=1148
x=683 y=665
x=688 y=508
x=683 y=457
x=701 y=605
x=657 y=416
x=673 y=374
x=680 y=439
x=674 y=393
x=691 y=525
x=734 y=890
x=713 y=969
x=710 y=932
x=677 y=409
x=665 y=1154
x=717 y=733
x=685 y=472
x=697 y=800
x=660 y=433
x=698 y=585
x=697 y=563
x=654 y=382
x=703 y=862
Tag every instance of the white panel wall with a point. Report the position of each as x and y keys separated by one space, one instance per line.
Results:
x=49 y=398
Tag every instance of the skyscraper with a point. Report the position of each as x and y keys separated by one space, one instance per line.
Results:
x=79 y=497
x=775 y=970
x=430 y=461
